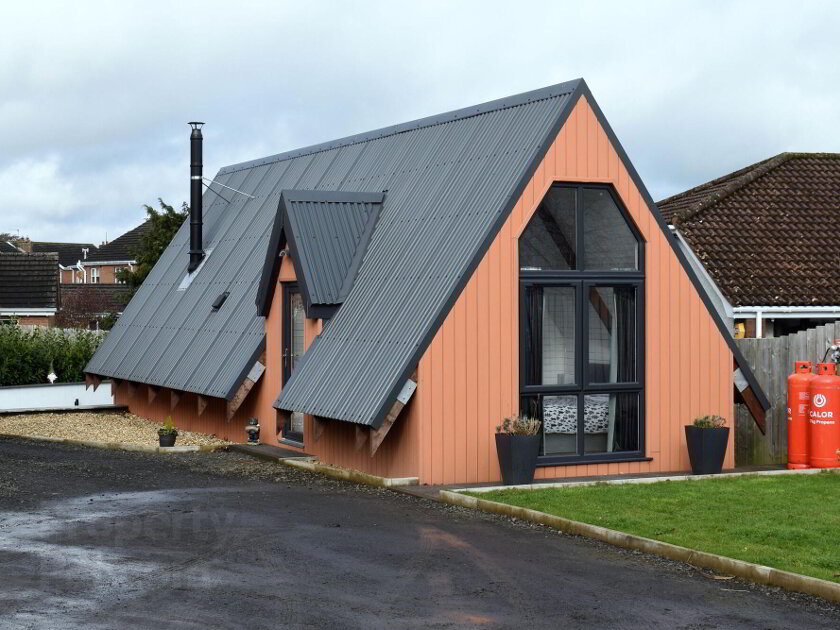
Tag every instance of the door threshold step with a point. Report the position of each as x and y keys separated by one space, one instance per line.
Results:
x=271 y=453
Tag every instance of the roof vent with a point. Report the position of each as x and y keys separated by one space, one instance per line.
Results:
x=220 y=300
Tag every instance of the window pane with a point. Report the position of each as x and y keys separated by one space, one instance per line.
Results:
x=612 y=334
x=297 y=324
x=560 y=425
x=608 y=242
x=611 y=422
x=549 y=241
x=548 y=335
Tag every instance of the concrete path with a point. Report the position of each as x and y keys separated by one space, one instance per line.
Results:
x=105 y=539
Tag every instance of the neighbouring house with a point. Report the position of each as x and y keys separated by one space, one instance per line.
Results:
x=29 y=288
x=8 y=248
x=383 y=301
x=103 y=264
x=71 y=257
x=763 y=242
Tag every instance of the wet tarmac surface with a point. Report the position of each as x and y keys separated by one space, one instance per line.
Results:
x=108 y=539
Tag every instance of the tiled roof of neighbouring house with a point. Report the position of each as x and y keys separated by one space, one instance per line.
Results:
x=7 y=248
x=767 y=234
x=68 y=253
x=122 y=248
x=28 y=281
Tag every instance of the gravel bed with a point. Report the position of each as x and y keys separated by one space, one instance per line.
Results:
x=101 y=426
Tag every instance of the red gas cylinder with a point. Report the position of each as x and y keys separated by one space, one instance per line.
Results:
x=823 y=418
x=797 y=414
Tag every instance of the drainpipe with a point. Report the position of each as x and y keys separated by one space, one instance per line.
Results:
x=758 y=326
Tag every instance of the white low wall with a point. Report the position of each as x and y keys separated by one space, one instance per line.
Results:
x=59 y=396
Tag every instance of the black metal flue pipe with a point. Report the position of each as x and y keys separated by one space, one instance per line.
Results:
x=196 y=222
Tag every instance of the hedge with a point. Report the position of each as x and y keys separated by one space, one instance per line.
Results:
x=27 y=354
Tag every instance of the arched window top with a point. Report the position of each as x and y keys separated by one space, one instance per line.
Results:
x=579 y=228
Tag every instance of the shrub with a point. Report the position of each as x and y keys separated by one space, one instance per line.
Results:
x=26 y=354
x=521 y=425
x=709 y=422
x=168 y=427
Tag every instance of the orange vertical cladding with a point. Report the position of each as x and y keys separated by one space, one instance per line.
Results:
x=468 y=378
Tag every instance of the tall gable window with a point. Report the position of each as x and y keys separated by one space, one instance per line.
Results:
x=582 y=326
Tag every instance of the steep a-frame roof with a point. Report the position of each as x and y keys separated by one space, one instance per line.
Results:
x=766 y=234
x=450 y=180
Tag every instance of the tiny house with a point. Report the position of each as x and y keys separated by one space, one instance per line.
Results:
x=384 y=300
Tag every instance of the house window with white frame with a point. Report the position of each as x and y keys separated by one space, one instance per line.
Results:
x=94 y=275
x=117 y=275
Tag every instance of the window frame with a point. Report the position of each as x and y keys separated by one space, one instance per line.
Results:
x=289 y=437
x=583 y=281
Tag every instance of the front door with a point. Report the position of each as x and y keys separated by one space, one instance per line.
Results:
x=293 y=349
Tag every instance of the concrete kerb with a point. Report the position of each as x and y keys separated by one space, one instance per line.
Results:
x=348 y=474
x=121 y=446
x=757 y=573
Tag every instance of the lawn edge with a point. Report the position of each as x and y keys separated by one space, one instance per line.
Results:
x=117 y=446
x=648 y=480
x=760 y=574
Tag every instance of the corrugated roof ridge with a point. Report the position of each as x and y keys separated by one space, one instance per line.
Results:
x=748 y=176
x=508 y=102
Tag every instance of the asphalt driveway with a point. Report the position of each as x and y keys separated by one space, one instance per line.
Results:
x=108 y=539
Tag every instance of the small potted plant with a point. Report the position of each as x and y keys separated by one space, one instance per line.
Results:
x=518 y=445
x=168 y=433
x=706 y=439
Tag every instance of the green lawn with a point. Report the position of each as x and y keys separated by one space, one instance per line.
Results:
x=789 y=522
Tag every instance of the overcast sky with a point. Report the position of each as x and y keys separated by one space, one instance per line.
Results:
x=95 y=97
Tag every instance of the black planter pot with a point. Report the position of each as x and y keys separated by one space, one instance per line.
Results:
x=517 y=457
x=167 y=439
x=706 y=448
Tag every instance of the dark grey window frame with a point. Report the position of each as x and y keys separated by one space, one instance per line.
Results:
x=582 y=281
x=291 y=437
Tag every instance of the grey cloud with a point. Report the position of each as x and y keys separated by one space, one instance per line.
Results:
x=94 y=97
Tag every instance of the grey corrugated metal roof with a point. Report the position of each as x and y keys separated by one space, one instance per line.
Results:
x=450 y=186
x=451 y=180
x=441 y=171
x=327 y=233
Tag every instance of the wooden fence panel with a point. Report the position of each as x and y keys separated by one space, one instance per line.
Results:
x=772 y=360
